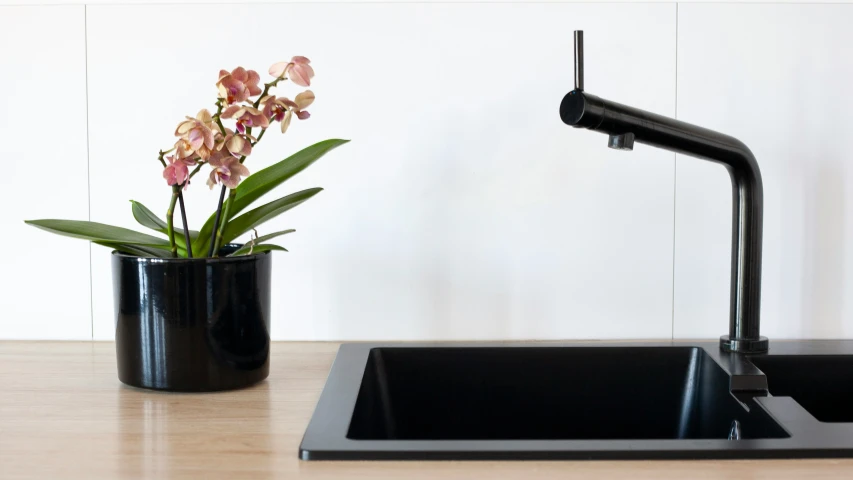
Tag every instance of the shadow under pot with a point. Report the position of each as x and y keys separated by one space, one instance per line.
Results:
x=192 y=325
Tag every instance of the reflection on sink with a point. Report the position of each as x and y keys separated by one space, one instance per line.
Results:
x=822 y=384
x=549 y=393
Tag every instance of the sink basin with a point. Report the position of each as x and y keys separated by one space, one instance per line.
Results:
x=822 y=384
x=549 y=393
x=636 y=401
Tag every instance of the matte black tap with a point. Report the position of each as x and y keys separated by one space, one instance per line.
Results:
x=625 y=125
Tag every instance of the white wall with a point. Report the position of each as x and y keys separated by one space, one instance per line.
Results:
x=45 y=172
x=778 y=78
x=463 y=208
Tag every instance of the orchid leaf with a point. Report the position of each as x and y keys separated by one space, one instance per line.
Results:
x=98 y=232
x=149 y=219
x=260 y=240
x=138 y=250
x=264 y=247
x=263 y=181
x=253 y=218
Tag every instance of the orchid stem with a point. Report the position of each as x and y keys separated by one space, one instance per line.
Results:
x=216 y=221
x=259 y=137
x=197 y=168
x=160 y=157
x=264 y=93
x=184 y=221
x=224 y=222
x=170 y=224
x=218 y=114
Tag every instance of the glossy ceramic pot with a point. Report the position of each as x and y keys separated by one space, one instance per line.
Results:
x=192 y=325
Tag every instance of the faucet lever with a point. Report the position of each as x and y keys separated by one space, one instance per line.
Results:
x=579 y=60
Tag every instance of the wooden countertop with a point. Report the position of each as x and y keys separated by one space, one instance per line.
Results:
x=64 y=415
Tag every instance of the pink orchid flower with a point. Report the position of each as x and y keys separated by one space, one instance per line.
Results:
x=246 y=116
x=226 y=169
x=282 y=108
x=236 y=145
x=299 y=68
x=239 y=85
x=176 y=171
x=196 y=136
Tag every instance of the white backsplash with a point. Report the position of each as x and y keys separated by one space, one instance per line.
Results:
x=463 y=208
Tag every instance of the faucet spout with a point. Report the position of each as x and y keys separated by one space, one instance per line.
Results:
x=625 y=125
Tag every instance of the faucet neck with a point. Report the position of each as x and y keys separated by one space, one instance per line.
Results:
x=626 y=124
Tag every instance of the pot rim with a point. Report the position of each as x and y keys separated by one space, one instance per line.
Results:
x=156 y=260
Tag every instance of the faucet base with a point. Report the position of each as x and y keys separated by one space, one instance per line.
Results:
x=744 y=345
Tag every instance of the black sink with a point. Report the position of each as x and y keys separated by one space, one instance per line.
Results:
x=822 y=384
x=549 y=393
x=638 y=401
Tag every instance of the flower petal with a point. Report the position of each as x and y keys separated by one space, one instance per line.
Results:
x=196 y=138
x=215 y=160
x=252 y=83
x=277 y=69
x=304 y=99
x=238 y=169
x=232 y=111
x=260 y=120
x=212 y=180
x=230 y=181
x=240 y=74
x=235 y=144
x=169 y=175
x=209 y=141
x=184 y=127
x=267 y=104
x=223 y=92
x=301 y=74
x=286 y=122
x=204 y=116
x=303 y=115
x=300 y=59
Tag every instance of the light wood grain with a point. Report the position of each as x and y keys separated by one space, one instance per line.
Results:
x=64 y=415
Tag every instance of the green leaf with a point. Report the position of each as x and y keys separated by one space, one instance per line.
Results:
x=263 y=238
x=139 y=250
x=147 y=218
x=98 y=232
x=263 y=181
x=253 y=218
x=264 y=247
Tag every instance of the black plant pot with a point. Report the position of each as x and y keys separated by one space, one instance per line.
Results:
x=192 y=325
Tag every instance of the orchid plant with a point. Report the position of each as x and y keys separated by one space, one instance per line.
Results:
x=206 y=140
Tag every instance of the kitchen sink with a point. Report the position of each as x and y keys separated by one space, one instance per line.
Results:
x=549 y=393
x=622 y=401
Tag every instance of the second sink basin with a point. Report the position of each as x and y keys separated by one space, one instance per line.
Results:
x=529 y=393
x=822 y=384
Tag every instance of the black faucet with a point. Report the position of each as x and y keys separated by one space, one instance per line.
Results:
x=625 y=125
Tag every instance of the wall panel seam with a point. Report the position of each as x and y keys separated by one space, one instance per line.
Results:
x=674 y=180
x=88 y=165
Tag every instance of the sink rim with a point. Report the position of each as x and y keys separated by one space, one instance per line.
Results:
x=326 y=434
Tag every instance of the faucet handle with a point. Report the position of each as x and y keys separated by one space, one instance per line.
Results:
x=579 y=60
